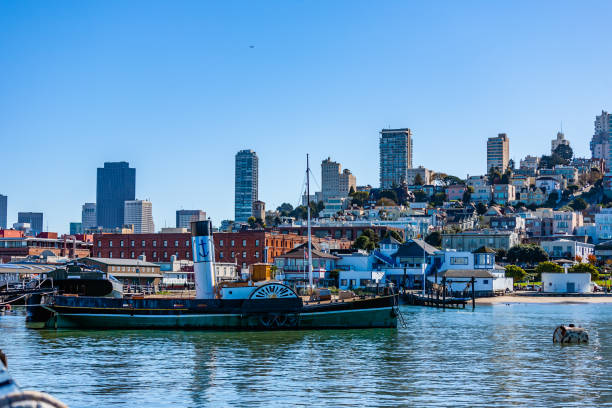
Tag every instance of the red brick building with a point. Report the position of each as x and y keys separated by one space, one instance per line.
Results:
x=243 y=248
x=15 y=244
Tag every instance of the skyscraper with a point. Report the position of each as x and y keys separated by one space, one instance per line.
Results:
x=395 y=156
x=35 y=219
x=116 y=185
x=246 y=184
x=600 y=143
x=334 y=182
x=76 y=228
x=498 y=152
x=88 y=216
x=139 y=213
x=3 y=211
x=185 y=217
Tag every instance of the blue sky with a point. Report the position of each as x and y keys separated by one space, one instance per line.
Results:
x=175 y=89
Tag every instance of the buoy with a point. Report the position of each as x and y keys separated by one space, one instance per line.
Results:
x=570 y=334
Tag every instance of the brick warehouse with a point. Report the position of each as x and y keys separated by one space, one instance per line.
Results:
x=244 y=247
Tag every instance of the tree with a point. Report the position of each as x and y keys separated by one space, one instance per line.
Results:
x=386 y=202
x=494 y=176
x=467 y=194
x=450 y=180
x=548 y=267
x=592 y=259
x=395 y=235
x=351 y=191
x=579 y=204
x=526 y=254
x=585 y=268
x=515 y=272
x=252 y=221
x=438 y=199
x=368 y=240
x=481 y=208
x=552 y=200
x=511 y=164
x=389 y=194
x=360 y=198
x=500 y=254
x=564 y=152
x=285 y=209
x=418 y=180
x=420 y=196
x=434 y=238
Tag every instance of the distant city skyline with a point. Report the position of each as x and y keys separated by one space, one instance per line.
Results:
x=178 y=91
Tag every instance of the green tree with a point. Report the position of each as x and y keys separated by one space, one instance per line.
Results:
x=418 y=180
x=438 y=199
x=526 y=254
x=467 y=194
x=564 y=152
x=579 y=204
x=481 y=208
x=515 y=272
x=548 y=267
x=385 y=202
x=252 y=221
x=285 y=209
x=500 y=254
x=363 y=242
x=552 y=200
x=585 y=268
x=494 y=176
x=395 y=235
x=360 y=198
x=389 y=194
x=351 y=191
x=420 y=196
x=434 y=238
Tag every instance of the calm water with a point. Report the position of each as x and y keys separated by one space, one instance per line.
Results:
x=498 y=355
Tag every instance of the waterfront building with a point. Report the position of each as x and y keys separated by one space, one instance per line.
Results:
x=603 y=224
x=35 y=219
x=139 y=213
x=3 y=211
x=76 y=228
x=246 y=184
x=567 y=249
x=471 y=240
x=128 y=271
x=498 y=152
x=116 y=184
x=184 y=218
x=395 y=147
x=16 y=245
x=88 y=216
x=292 y=266
x=566 y=282
x=560 y=140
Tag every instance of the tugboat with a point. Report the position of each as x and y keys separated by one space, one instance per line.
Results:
x=267 y=306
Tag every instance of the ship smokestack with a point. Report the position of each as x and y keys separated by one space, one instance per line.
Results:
x=203 y=259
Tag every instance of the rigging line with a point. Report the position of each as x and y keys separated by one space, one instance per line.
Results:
x=315 y=179
x=302 y=192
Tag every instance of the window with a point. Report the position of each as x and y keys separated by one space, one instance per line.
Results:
x=244 y=265
x=457 y=260
x=99 y=254
x=110 y=243
x=176 y=254
x=175 y=243
x=244 y=254
x=187 y=254
x=342 y=282
x=165 y=254
x=256 y=242
x=256 y=254
x=187 y=243
x=232 y=242
x=121 y=243
x=99 y=244
x=232 y=254
x=132 y=243
x=244 y=242
x=485 y=281
x=122 y=254
x=110 y=254
x=144 y=244
x=154 y=254
x=220 y=242
x=132 y=254
x=353 y=282
x=165 y=244
x=154 y=243
x=221 y=255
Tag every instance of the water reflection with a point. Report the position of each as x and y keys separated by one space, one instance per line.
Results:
x=501 y=355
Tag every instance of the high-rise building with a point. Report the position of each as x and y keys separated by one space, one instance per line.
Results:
x=246 y=184
x=395 y=156
x=560 y=140
x=116 y=185
x=334 y=182
x=600 y=143
x=35 y=219
x=3 y=211
x=139 y=213
x=184 y=218
x=88 y=216
x=498 y=152
x=76 y=228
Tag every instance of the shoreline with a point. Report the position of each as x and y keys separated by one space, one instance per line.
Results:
x=508 y=299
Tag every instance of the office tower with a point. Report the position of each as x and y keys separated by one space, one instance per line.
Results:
x=88 y=216
x=395 y=156
x=3 y=211
x=334 y=182
x=76 y=228
x=560 y=140
x=35 y=219
x=600 y=143
x=185 y=217
x=498 y=152
x=116 y=185
x=139 y=213
x=246 y=184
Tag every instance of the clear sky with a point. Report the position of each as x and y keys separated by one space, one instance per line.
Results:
x=175 y=88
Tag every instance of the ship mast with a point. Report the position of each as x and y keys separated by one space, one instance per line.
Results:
x=308 y=212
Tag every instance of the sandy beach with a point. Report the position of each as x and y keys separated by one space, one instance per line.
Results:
x=543 y=299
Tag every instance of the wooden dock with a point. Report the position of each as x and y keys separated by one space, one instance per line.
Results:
x=414 y=299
